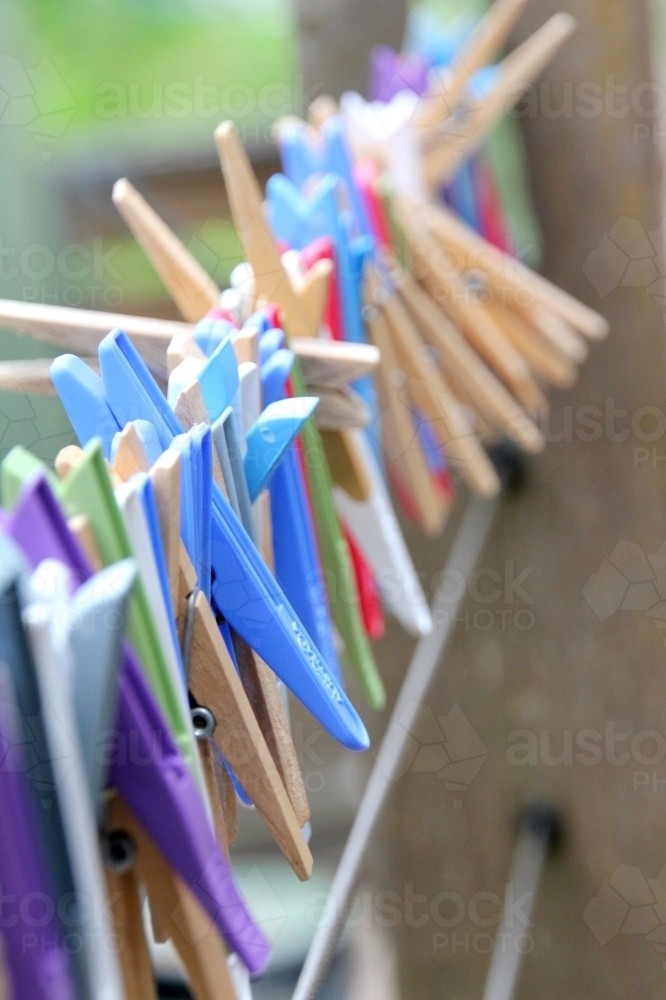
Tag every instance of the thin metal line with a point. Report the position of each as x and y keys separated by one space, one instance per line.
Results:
x=464 y=555
x=526 y=867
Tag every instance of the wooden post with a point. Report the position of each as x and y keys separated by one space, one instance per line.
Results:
x=335 y=38
x=553 y=687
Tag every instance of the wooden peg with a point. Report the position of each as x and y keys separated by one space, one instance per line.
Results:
x=130 y=456
x=522 y=287
x=32 y=377
x=271 y=279
x=486 y=393
x=124 y=894
x=447 y=287
x=207 y=752
x=80 y=527
x=189 y=285
x=342 y=407
x=191 y=409
x=545 y=360
x=81 y=330
x=333 y=364
x=516 y=73
x=447 y=86
x=67 y=459
x=214 y=683
x=321 y=109
x=399 y=435
x=261 y=687
x=557 y=332
x=266 y=532
x=428 y=390
x=194 y=936
x=165 y=477
x=182 y=346
x=345 y=464
x=312 y=291
x=187 y=581
x=246 y=346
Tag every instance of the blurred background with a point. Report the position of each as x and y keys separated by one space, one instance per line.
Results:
x=92 y=92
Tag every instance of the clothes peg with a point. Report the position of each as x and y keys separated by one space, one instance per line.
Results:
x=17 y=467
x=447 y=86
x=215 y=683
x=96 y=627
x=428 y=390
x=262 y=616
x=86 y=407
x=53 y=661
x=264 y=696
x=347 y=468
x=313 y=289
x=391 y=72
x=194 y=937
x=335 y=559
x=150 y=561
x=81 y=330
x=463 y=137
x=191 y=288
x=125 y=897
x=340 y=408
x=382 y=544
x=130 y=455
x=304 y=155
x=235 y=727
x=300 y=220
x=384 y=134
x=87 y=489
x=228 y=447
x=211 y=330
x=31 y=377
x=486 y=393
x=401 y=442
x=321 y=109
x=246 y=346
x=248 y=398
x=296 y=555
x=557 y=331
x=16 y=654
x=190 y=409
x=333 y=365
x=269 y=438
x=195 y=448
x=36 y=974
x=224 y=801
x=258 y=680
x=510 y=279
x=370 y=601
x=187 y=841
x=182 y=346
x=447 y=286
x=165 y=476
x=545 y=360
x=79 y=525
x=271 y=279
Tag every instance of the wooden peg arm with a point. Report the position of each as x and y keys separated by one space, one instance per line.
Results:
x=190 y=286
